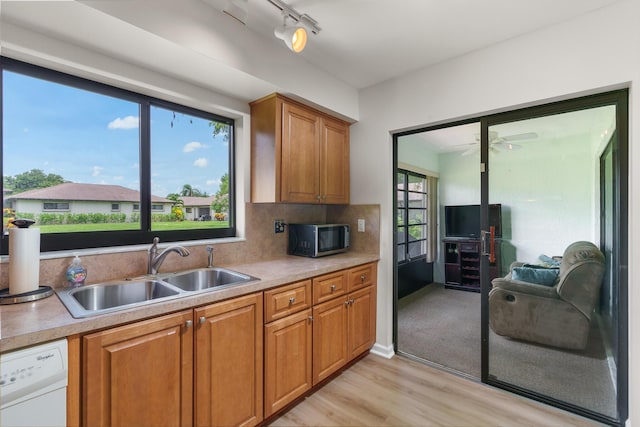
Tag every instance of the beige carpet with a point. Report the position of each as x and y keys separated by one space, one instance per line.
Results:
x=443 y=326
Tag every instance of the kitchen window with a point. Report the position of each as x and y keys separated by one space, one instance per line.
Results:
x=121 y=162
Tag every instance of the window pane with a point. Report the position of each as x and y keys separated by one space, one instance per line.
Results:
x=417 y=183
x=401 y=252
x=402 y=234
x=417 y=248
x=401 y=213
x=401 y=181
x=190 y=171
x=417 y=200
x=68 y=155
x=417 y=216
x=417 y=232
x=400 y=195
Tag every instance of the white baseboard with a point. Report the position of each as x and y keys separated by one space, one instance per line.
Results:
x=384 y=351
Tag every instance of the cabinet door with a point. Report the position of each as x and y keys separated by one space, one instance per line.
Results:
x=362 y=321
x=329 y=338
x=334 y=162
x=300 y=155
x=140 y=374
x=228 y=367
x=287 y=360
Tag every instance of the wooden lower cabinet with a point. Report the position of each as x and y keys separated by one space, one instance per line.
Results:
x=145 y=373
x=361 y=327
x=287 y=360
x=140 y=374
x=329 y=338
x=343 y=328
x=228 y=369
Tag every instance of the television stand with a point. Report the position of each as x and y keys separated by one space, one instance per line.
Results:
x=462 y=264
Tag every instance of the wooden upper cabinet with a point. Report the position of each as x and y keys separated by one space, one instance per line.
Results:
x=298 y=154
x=140 y=374
x=334 y=162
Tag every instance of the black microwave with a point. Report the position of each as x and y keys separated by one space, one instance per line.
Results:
x=315 y=240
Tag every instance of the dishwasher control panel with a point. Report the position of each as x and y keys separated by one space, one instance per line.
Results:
x=32 y=370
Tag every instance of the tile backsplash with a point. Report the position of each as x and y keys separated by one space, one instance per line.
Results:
x=261 y=243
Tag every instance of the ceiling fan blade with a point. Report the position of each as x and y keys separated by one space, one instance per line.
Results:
x=506 y=146
x=474 y=148
x=519 y=137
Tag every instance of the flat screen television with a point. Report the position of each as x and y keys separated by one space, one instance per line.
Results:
x=464 y=220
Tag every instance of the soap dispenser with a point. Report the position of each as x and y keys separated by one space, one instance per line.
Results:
x=76 y=273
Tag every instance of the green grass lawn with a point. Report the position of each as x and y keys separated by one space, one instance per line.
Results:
x=156 y=226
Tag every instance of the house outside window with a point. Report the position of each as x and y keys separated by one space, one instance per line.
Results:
x=133 y=157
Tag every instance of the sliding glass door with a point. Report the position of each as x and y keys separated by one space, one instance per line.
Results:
x=549 y=310
x=527 y=289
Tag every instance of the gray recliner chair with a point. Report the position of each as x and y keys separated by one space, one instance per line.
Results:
x=558 y=315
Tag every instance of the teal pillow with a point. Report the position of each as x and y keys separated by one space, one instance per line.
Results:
x=535 y=274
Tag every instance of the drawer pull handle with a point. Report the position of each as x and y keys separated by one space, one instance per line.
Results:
x=346 y=303
x=292 y=300
x=363 y=277
x=188 y=324
x=333 y=288
x=202 y=319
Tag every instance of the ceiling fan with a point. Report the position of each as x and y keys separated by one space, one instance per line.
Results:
x=499 y=143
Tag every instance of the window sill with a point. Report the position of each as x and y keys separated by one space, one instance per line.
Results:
x=125 y=249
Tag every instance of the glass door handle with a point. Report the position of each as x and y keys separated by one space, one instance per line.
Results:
x=491 y=234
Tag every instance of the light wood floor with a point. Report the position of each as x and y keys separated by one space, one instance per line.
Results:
x=401 y=392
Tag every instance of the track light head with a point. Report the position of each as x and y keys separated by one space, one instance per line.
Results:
x=295 y=37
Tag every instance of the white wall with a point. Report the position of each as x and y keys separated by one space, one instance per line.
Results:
x=589 y=54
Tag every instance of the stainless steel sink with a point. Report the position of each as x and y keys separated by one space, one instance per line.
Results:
x=206 y=278
x=106 y=297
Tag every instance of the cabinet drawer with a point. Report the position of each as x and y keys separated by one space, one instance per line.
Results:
x=362 y=276
x=286 y=300
x=329 y=286
x=468 y=247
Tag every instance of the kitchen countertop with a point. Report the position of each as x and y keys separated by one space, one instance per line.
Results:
x=26 y=324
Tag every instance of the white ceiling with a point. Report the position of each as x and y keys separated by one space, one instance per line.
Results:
x=362 y=42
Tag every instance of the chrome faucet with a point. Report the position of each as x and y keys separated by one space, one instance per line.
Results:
x=155 y=258
x=209 y=256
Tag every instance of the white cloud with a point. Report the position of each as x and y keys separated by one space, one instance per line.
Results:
x=97 y=170
x=193 y=146
x=211 y=182
x=201 y=162
x=118 y=178
x=129 y=122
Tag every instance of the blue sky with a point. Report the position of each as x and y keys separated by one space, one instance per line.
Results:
x=91 y=138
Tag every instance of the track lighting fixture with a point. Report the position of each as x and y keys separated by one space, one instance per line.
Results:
x=294 y=35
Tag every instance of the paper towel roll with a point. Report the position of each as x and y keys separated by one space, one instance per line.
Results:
x=24 y=260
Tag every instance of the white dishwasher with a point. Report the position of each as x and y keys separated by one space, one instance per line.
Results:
x=33 y=386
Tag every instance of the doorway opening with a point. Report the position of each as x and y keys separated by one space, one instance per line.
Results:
x=528 y=287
